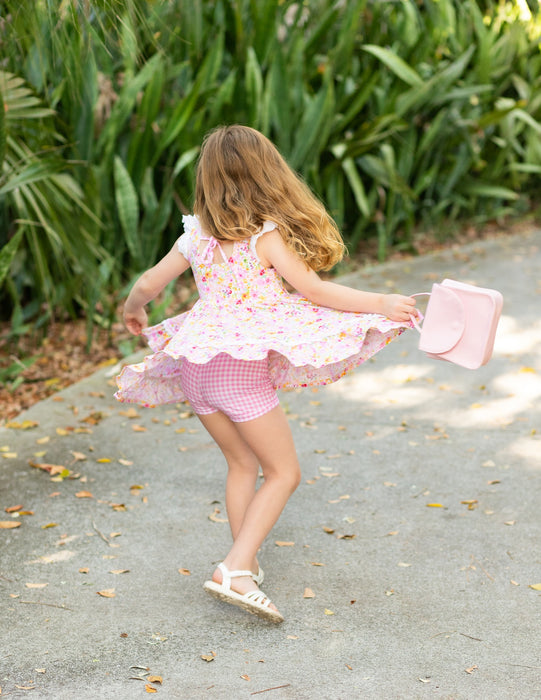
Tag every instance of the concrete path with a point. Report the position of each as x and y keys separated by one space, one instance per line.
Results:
x=404 y=563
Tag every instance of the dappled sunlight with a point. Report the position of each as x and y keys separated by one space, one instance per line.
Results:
x=395 y=385
x=527 y=449
x=463 y=398
x=514 y=339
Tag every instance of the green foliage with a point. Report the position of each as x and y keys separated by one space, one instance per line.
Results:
x=398 y=114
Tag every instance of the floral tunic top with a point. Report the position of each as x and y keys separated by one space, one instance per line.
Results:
x=244 y=310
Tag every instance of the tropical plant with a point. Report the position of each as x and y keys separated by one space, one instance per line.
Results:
x=39 y=202
x=399 y=115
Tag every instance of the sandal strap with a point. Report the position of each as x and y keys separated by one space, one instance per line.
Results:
x=258 y=597
x=228 y=575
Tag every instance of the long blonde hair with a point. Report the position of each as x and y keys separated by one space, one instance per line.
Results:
x=242 y=181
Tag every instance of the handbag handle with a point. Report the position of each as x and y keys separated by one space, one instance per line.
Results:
x=412 y=317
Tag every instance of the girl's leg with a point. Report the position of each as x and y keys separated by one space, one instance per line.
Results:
x=269 y=439
x=243 y=469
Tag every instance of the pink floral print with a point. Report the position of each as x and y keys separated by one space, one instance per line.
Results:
x=244 y=310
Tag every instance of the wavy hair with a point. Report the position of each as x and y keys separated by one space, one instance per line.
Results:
x=242 y=181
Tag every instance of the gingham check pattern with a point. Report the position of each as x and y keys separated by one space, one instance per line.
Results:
x=242 y=389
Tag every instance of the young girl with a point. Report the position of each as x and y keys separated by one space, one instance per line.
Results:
x=255 y=223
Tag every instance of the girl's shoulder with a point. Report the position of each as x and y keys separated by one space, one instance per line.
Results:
x=266 y=228
x=191 y=225
x=188 y=241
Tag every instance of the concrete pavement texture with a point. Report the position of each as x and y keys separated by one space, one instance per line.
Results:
x=407 y=563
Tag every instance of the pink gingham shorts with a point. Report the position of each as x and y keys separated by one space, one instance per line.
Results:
x=242 y=389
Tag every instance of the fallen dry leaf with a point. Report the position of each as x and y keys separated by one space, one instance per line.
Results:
x=119 y=571
x=245 y=677
x=214 y=517
x=51 y=468
x=535 y=586
x=185 y=572
x=93 y=418
x=130 y=413
x=8 y=524
x=83 y=494
x=36 y=585
x=107 y=593
x=13 y=509
x=118 y=507
x=84 y=570
x=328 y=612
x=208 y=657
x=279 y=543
x=471 y=669
x=155 y=679
x=138 y=428
x=25 y=425
x=435 y=505
x=150 y=689
x=308 y=593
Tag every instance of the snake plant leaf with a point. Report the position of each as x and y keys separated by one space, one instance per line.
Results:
x=7 y=253
x=127 y=204
x=398 y=66
x=2 y=132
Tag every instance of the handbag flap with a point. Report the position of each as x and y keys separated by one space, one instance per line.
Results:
x=444 y=322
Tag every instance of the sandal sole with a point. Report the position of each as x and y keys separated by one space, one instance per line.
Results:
x=233 y=598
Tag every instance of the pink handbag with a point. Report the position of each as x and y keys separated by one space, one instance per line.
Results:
x=460 y=323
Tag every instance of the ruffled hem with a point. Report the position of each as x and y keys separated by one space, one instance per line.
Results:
x=156 y=380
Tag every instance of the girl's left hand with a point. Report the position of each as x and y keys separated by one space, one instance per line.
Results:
x=398 y=307
x=135 y=322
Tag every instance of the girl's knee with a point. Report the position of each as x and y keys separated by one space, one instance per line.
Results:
x=296 y=479
x=288 y=478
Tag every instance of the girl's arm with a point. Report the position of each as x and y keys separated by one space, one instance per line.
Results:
x=149 y=285
x=273 y=252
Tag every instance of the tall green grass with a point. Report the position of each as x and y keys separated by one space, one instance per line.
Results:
x=399 y=114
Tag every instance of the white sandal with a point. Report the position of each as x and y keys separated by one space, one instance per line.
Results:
x=255 y=602
x=259 y=577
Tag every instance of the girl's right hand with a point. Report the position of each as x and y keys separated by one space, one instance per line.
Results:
x=135 y=321
x=398 y=307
